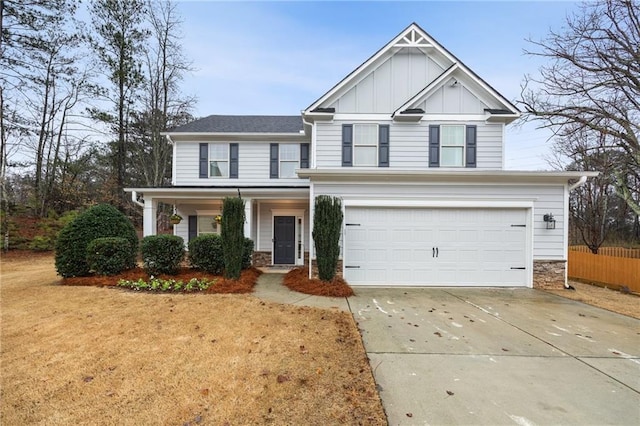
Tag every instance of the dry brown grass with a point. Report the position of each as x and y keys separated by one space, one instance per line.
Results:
x=91 y=355
x=602 y=297
x=298 y=280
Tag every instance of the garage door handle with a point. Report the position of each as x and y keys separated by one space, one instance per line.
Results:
x=351 y=267
x=437 y=252
x=518 y=267
x=433 y=252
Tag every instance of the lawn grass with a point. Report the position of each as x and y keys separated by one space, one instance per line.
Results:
x=93 y=355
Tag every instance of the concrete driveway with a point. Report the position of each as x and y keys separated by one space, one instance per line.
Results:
x=499 y=356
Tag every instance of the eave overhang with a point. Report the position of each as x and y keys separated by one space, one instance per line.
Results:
x=443 y=175
x=172 y=194
x=218 y=136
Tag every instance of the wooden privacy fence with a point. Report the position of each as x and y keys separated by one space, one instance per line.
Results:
x=610 y=251
x=606 y=269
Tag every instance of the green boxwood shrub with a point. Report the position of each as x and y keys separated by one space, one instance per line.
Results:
x=205 y=253
x=162 y=254
x=98 y=221
x=108 y=255
x=247 y=253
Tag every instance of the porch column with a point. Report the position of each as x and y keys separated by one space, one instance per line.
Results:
x=248 y=212
x=149 y=214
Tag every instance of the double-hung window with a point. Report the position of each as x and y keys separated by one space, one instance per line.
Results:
x=452 y=145
x=219 y=160
x=365 y=145
x=207 y=225
x=289 y=159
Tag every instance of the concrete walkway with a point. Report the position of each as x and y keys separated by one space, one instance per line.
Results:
x=491 y=356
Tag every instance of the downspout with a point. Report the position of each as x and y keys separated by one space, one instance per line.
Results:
x=579 y=183
x=134 y=198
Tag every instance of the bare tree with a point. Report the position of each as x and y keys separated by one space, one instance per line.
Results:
x=592 y=82
x=163 y=105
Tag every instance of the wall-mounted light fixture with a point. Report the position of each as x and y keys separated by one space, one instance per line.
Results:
x=550 y=221
x=453 y=83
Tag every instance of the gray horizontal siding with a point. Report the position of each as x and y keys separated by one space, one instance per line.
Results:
x=409 y=145
x=547 y=244
x=253 y=167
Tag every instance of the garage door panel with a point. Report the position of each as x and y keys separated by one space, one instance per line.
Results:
x=475 y=246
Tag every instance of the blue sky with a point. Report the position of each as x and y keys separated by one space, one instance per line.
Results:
x=279 y=57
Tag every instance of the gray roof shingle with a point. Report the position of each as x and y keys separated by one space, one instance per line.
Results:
x=243 y=124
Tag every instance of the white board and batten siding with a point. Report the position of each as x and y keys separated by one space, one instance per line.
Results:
x=389 y=84
x=253 y=166
x=409 y=144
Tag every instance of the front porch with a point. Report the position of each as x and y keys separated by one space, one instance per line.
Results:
x=277 y=219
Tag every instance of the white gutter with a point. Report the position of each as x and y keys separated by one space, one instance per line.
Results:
x=580 y=182
x=134 y=198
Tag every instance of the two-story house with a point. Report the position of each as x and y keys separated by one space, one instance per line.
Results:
x=412 y=141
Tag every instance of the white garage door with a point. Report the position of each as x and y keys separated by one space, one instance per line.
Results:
x=448 y=247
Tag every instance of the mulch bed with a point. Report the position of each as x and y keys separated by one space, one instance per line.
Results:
x=298 y=280
x=245 y=284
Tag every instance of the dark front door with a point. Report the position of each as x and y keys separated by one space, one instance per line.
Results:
x=284 y=244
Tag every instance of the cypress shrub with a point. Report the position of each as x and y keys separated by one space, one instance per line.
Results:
x=327 y=224
x=108 y=255
x=205 y=253
x=233 y=236
x=98 y=221
x=162 y=254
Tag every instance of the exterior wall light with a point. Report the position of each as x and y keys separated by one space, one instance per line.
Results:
x=550 y=221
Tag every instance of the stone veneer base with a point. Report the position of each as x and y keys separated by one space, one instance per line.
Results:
x=549 y=274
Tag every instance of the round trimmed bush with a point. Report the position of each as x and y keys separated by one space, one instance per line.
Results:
x=108 y=255
x=162 y=254
x=247 y=253
x=98 y=221
x=206 y=254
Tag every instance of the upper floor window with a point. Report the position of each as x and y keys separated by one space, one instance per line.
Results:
x=218 y=160
x=289 y=159
x=452 y=146
x=285 y=158
x=365 y=145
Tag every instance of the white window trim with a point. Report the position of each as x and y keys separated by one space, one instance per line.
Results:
x=280 y=160
x=218 y=159
x=464 y=146
x=299 y=231
x=376 y=145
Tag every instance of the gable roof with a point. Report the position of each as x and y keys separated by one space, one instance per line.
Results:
x=412 y=36
x=243 y=124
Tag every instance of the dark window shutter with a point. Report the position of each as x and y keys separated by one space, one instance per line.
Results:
x=347 y=145
x=193 y=227
x=304 y=155
x=471 y=146
x=273 y=161
x=204 y=160
x=233 y=160
x=383 y=145
x=434 y=146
